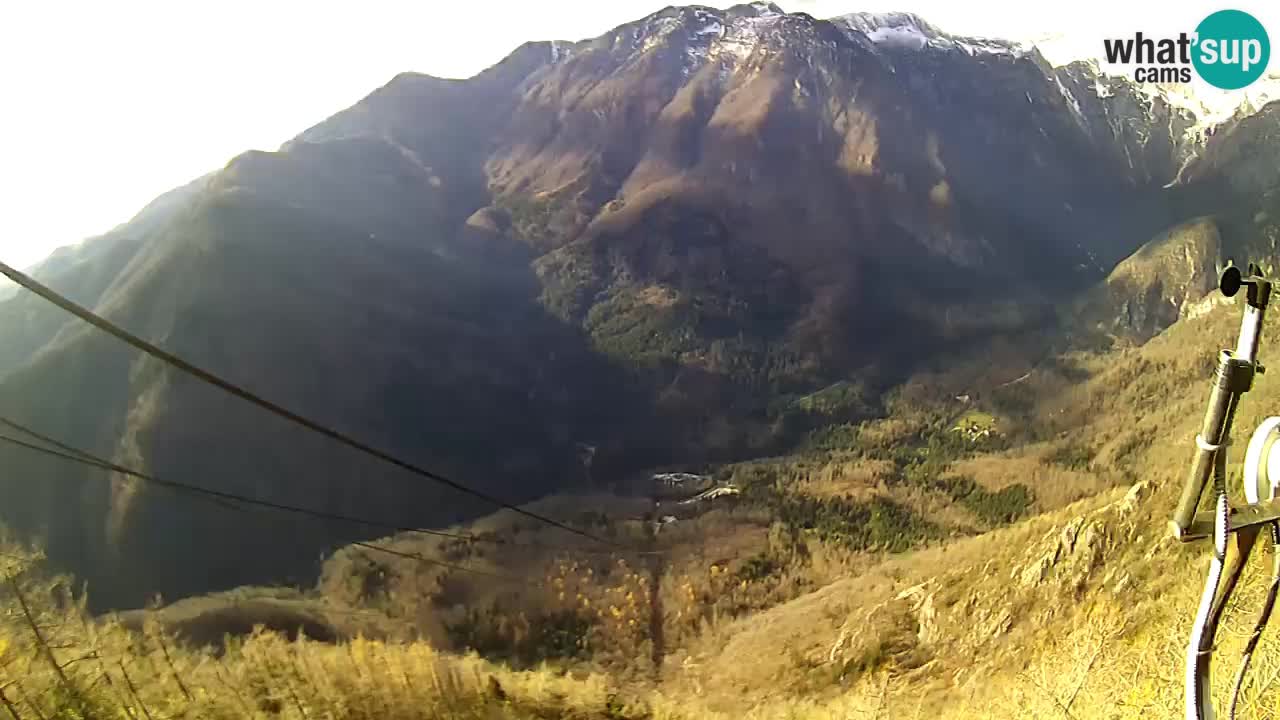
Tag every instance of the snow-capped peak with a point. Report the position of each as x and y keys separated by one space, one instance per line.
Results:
x=757 y=9
x=869 y=23
x=1212 y=106
x=908 y=30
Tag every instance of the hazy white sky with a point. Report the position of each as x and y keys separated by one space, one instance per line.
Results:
x=108 y=104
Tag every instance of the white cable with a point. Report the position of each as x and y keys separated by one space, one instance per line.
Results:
x=1199 y=705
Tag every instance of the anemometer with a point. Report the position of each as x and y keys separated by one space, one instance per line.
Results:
x=1234 y=530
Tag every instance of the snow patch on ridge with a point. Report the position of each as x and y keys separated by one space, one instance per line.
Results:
x=899 y=36
x=899 y=29
x=561 y=50
x=1071 y=99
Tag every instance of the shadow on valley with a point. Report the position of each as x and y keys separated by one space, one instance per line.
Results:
x=424 y=350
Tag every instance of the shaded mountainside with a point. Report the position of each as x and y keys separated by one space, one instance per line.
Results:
x=85 y=272
x=654 y=244
x=433 y=358
x=1238 y=167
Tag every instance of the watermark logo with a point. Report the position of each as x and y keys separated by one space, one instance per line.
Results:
x=1233 y=49
x=1229 y=49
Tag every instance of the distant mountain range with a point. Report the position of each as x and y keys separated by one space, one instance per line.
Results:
x=641 y=248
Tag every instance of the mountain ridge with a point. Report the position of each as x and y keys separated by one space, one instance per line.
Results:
x=655 y=243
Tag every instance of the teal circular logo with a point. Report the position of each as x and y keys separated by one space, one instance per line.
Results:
x=1231 y=49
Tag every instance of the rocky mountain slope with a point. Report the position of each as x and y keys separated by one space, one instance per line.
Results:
x=1167 y=279
x=654 y=244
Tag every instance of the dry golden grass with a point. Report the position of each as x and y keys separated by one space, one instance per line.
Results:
x=853 y=478
x=1102 y=637
x=1054 y=486
x=65 y=665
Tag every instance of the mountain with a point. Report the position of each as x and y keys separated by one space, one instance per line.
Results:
x=644 y=248
x=1166 y=280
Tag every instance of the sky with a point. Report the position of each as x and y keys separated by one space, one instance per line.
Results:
x=108 y=104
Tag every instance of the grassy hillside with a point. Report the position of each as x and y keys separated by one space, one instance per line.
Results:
x=1084 y=608
x=57 y=664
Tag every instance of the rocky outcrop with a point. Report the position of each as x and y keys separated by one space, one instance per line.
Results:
x=898 y=633
x=1067 y=559
x=1068 y=556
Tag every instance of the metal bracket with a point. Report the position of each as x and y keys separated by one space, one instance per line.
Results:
x=1235 y=374
x=1239 y=519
